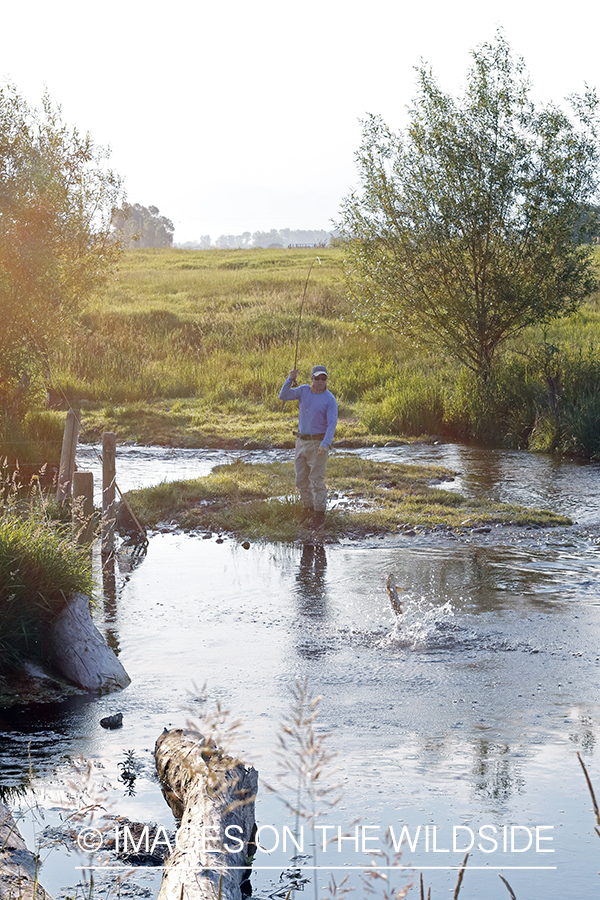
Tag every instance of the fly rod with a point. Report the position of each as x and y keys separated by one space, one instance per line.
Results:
x=316 y=259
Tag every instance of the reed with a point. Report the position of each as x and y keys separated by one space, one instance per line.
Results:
x=592 y=794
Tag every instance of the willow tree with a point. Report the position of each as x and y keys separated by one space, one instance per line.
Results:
x=461 y=232
x=56 y=199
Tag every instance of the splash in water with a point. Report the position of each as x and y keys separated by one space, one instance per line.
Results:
x=424 y=626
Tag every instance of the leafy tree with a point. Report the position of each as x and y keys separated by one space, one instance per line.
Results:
x=462 y=232
x=587 y=224
x=56 y=200
x=138 y=226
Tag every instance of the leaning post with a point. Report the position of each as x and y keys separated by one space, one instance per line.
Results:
x=67 y=456
x=109 y=453
x=82 y=507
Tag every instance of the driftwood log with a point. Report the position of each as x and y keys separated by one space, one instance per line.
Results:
x=18 y=865
x=77 y=650
x=213 y=796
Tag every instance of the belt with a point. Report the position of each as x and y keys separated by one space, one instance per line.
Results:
x=311 y=437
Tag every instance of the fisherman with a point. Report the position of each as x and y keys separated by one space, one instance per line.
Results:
x=316 y=426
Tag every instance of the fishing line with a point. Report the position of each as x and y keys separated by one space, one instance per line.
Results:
x=294 y=383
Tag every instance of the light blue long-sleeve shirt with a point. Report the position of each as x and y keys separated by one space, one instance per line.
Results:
x=318 y=413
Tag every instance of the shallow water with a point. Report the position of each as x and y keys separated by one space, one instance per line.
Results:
x=139 y=466
x=568 y=486
x=464 y=712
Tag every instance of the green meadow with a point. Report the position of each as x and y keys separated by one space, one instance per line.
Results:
x=190 y=348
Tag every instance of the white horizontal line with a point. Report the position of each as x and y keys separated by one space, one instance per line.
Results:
x=324 y=868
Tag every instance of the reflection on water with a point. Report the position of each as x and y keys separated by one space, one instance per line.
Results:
x=311 y=593
x=496 y=775
x=311 y=580
x=126 y=558
x=109 y=593
x=467 y=708
x=570 y=487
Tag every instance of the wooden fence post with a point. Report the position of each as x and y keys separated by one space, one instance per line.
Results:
x=109 y=453
x=67 y=456
x=82 y=507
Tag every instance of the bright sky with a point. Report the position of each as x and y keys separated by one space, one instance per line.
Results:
x=242 y=116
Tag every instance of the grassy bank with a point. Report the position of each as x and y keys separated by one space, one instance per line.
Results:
x=258 y=502
x=40 y=568
x=190 y=348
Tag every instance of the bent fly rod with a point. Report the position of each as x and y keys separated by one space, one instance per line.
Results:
x=316 y=259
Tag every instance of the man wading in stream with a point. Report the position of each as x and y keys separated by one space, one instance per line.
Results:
x=316 y=426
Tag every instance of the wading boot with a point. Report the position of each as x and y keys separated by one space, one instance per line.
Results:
x=319 y=518
x=307 y=514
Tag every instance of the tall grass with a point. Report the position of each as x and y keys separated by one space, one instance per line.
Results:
x=32 y=439
x=185 y=324
x=40 y=568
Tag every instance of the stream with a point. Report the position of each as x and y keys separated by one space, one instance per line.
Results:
x=458 y=719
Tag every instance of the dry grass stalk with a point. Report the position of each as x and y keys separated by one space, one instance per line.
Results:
x=592 y=794
x=304 y=759
x=376 y=878
x=460 y=877
x=508 y=887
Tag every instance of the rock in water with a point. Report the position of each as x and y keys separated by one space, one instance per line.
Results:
x=115 y=721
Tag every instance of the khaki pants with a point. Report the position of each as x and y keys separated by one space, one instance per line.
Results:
x=310 y=465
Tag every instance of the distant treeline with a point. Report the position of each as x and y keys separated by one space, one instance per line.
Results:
x=285 y=237
x=142 y=227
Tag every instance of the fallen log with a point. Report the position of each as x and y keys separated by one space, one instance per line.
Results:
x=18 y=865
x=213 y=796
x=77 y=650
